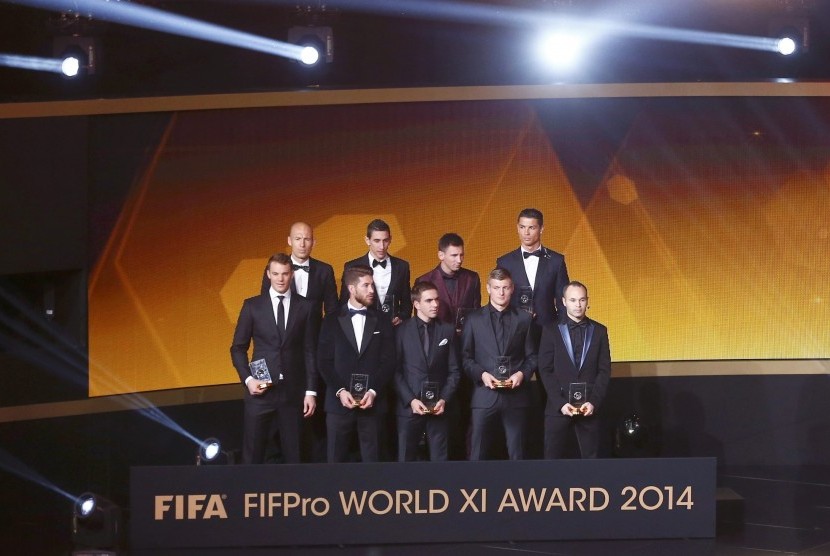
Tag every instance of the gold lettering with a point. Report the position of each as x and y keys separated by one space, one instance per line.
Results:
x=508 y=500
x=556 y=500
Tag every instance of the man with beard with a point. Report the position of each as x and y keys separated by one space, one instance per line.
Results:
x=356 y=340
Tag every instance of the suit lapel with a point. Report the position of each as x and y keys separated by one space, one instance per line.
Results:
x=443 y=293
x=368 y=332
x=521 y=278
x=566 y=338
x=311 y=290
x=348 y=331
x=542 y=270
x=589 y=334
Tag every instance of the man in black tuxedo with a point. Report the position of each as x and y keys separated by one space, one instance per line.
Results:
x=499 y=330
x=281 y=326
x=356 y=340
x=458 y=288
x=391 y=274
x=536 y=269
x=574 y=351
x=426 y=353
x=313 y=279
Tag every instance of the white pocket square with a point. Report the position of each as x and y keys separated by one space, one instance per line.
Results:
x=376 y=332
x=443 y=342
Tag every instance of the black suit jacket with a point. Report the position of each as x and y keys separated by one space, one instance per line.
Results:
x=291 y=352
x=557 y=369
x=338 y=357
x=479 y=352
x=414 y=367
x=551 y=278
x=467 y=292
x=398 y=286
x=322 y=289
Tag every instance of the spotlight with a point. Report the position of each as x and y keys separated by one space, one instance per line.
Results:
x=793 y=35
x=318 y=43
x=78 y=55
x=211 y=453
x=96 y=525
x=561 y=49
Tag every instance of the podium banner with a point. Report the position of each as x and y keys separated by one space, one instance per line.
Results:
x=421 y=502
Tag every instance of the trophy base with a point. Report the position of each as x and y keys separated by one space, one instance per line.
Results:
x=429 y=411
x=502 y=384
x=356 y=403
x=264 y=385
x=576 y=411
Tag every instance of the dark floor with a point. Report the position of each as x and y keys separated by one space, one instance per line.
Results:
x=772 y=510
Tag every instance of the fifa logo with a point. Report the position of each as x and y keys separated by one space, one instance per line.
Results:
x=190 y=506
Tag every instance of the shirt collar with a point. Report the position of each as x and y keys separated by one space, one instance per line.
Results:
x=274 y=293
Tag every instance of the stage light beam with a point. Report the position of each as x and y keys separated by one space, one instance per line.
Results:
x=34 y=63
x=144 y=17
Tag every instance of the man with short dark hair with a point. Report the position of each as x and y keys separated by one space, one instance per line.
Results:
x=498 y=337
x=283 y=331
x=426 y=376
x=356 y=340
x=575 y=367
x=458 y=288
x=538 y=272
x=390 y=274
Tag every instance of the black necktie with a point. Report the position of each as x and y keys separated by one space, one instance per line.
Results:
x=376 y=262
x=353 y=312
x=537 y=253
x=300 y=266
x=425 y=338
x=280 y=313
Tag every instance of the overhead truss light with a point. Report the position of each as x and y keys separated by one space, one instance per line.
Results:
x=78 y=55
x=317 y=43
x=792 y=34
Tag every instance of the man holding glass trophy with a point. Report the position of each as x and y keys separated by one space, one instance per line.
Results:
x=281 y=378
x=499 y=355
x=426 y=376
x=575 y=367
x=356 y=357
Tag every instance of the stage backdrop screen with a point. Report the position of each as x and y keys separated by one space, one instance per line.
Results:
x=699 y=225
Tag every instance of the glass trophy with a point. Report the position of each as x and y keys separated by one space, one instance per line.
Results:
x=502 y=372
x=577 y=396
x=388 y=305
x=526 y=299
x=429 y=395
x=460 y=316
x=259 y=370
x=358 y=387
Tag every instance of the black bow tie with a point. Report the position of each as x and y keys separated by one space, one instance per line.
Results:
x=353 y=312
x=300 y=266
x=537 y=253
x=580 y=324
x=376 y=262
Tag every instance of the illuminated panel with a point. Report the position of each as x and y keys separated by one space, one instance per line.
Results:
x=689 y=248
